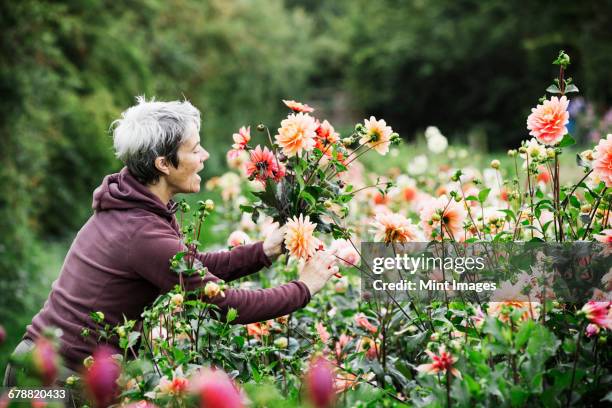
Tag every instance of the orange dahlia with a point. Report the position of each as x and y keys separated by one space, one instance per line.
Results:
x=299 y=238
x=297 y=134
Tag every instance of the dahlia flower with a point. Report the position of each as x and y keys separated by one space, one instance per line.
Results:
x=242 y=138
x=326 y=133
x=363 y=322
x=298 y=106
x=322 y=332
x=602 y=166
x=547 y=121
x=598 y=313
x=441 y=363
x=320 y=383
x=216 y=389
x=377 y=135
x=263 y=165
x=605 y=236
x=297 y=134
x=299 y=238
x=391 y=227
x=238 y=238
x=440 y=211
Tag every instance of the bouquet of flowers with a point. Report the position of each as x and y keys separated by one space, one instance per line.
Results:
x=301 y=173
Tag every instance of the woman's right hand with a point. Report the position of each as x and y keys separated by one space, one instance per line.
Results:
x=317 y=271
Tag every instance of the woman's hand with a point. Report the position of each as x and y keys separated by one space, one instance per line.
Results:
x=273 y=244
x=317 y=270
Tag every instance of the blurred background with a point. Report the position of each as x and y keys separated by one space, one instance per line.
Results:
x=69 y=68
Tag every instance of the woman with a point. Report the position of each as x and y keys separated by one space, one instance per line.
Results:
x=119 y=261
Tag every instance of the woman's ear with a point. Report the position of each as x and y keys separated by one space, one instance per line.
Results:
x=161 y=164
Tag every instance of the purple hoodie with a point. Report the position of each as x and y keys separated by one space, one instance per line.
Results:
x=119 y=263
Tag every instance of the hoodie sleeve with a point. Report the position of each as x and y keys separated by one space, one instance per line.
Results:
x=155 y=243
x=240 y=261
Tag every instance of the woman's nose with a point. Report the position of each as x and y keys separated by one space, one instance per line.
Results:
x=205 y=155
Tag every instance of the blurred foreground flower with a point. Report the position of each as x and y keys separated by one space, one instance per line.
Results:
x=320 y=383
x=216 y=390
x=101 y=378
x=46 y=360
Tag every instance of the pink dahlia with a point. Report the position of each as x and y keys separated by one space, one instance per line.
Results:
x=101 y=378
x=602 y=166
x=299 y=238
x=297 y=134
x=238 y=238
x=443 y=212
x=262 y=165
x=598 y=313
x=363 y=322
x=298 y=107
x=320 y=380
x=440 y=363
x=46 y=360
x=322 y=332
x=547 y=121
x=242 y=138
x=216 y=390
x=392 y=227
x=605 y=236
x=377 y=135
x=326 y=133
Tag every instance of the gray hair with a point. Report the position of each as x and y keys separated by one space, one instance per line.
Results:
x=151 y=129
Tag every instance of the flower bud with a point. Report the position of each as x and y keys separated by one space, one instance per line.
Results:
x=587 y=155
x=550 y=153
x=512 y=152
x=211 y=290
x=586 y=208
x=88 y=361
x=72 y=380
x=177 y=299
x=261 y=127
x=347 y=141
x=120 y=331
x=522 y=150
x=281 y=342
x=495 y=164
x=436 y=217
x=2 y=334
x=209 y=205
x=327 y=204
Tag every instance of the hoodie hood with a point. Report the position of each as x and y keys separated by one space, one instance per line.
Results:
x=121 y=191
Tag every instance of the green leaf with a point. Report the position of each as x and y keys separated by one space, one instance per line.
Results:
x=231 y=315
x=553 y=89
x=239 y=341
x=524 y=332
x=483 y=194
x=567 y=140
x=571 y=88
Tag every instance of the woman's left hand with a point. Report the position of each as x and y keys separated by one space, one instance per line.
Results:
x=273 y=244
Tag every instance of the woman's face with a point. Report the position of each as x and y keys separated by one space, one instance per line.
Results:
x=191 y=157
